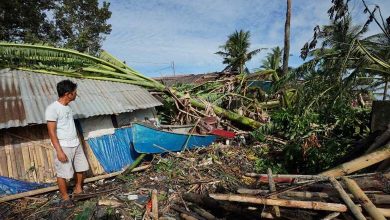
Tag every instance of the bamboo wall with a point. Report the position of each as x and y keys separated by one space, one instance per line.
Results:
x=26 y=154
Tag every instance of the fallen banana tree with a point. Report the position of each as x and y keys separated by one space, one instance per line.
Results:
x=65 y=62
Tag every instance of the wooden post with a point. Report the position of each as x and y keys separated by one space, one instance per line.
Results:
x=363 y=199
x=272 y=188
x=282 y=202
x=154 y=205
x=360 y=162
x=354 y=208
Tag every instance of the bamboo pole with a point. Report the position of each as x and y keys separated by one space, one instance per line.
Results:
x=359 y=163
x=375 y=198
x=282 y=202
x=385 y=212
x=54 y=188
x=292 y=176
x=363 y=199
x=272 y=188
x=298 y=194
x=354 y=208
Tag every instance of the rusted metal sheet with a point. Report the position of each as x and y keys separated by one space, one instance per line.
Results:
x=24 y=97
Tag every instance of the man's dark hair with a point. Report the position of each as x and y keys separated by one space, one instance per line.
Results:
x=65 y=86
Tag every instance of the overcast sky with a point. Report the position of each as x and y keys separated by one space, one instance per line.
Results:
x=149 y=35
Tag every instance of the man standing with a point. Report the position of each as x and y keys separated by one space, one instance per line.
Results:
x=68 y=152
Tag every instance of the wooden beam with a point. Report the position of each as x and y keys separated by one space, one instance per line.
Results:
x=154 y=204
x=272 y=188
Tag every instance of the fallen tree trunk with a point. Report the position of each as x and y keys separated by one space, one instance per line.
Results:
x=360 y=162
x=363 y=199
x=282 y=202
x=232 y=116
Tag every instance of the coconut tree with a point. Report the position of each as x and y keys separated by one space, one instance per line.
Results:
x=235 y=51
x=66 y=62
x=379 y=45
x=286 y=51
x=273 y=60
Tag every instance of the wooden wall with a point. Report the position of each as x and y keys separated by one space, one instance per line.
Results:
x=26 y=154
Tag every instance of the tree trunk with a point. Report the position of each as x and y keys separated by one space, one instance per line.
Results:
x=232 y=116
x=286 y=49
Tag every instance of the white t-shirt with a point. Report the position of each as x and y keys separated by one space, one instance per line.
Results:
x=66 y=129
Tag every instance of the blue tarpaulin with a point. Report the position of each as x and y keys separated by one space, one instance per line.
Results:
x=114 y=151
x=11 y=186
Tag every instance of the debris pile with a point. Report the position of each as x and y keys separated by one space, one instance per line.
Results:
x=217 y=183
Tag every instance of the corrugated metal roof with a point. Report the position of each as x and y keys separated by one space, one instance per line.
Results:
x=25 y=95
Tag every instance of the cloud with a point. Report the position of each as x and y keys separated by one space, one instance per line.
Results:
x=149 y=35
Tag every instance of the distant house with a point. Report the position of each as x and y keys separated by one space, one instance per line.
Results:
x=100 y=109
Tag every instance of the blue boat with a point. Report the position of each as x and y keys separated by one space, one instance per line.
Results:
x=147 y=139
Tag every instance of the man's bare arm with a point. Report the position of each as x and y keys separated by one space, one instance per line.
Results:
x=52 y=129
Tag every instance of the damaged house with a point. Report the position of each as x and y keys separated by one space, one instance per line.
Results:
x=103 y=112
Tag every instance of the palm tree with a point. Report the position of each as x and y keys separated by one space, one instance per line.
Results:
x=235 y=51
x=273 y=60
x=379 y=44
x=286 y=53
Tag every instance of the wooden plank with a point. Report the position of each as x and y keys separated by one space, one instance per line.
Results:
x=3 y=156
x=50 y=161
x=95 y=165
x=50 y=154
x=33 y=158
x=26 y=160
x=45 y=155
x=35 y=138
x=11 y=171
x=19 y=159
